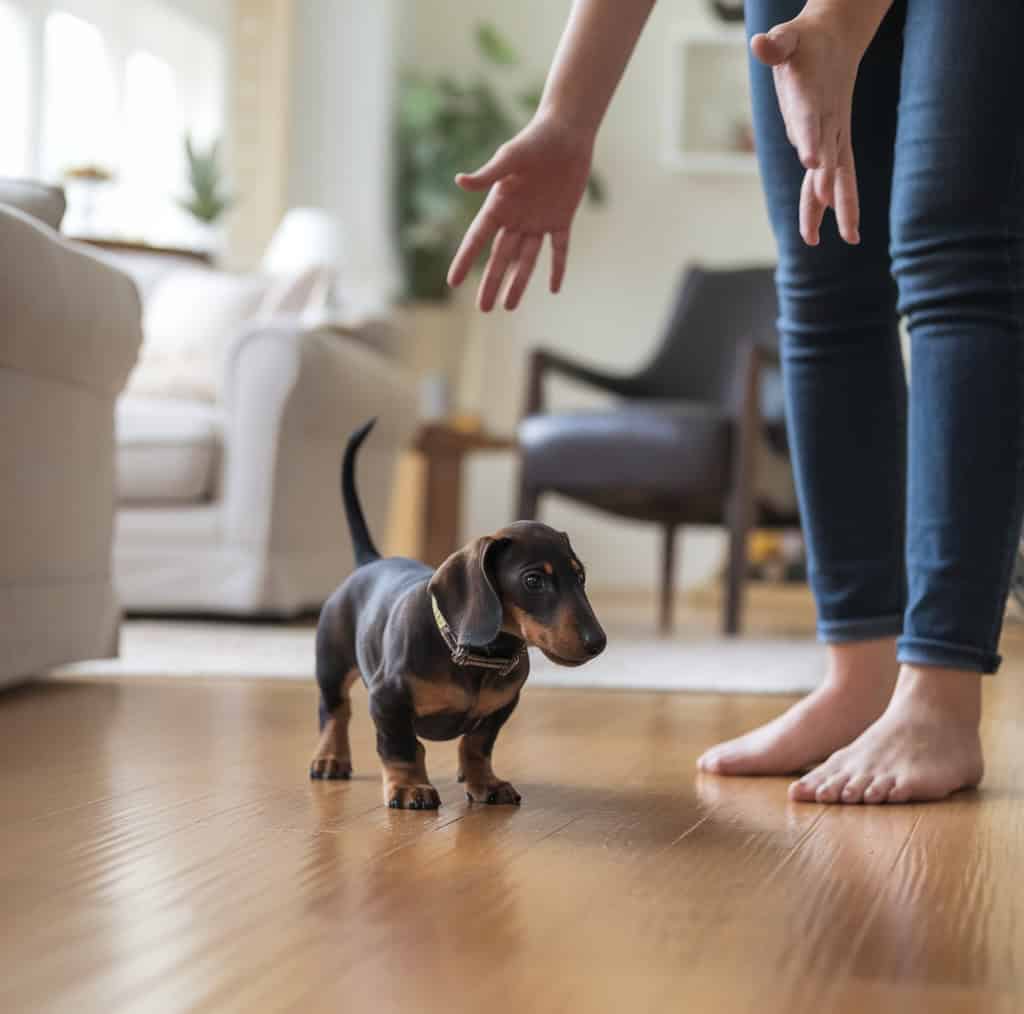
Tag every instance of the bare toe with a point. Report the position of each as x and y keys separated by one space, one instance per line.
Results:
x=803 y=790
x=854 y=790
x=878 y=790
x=901 y=791
x=830 y=791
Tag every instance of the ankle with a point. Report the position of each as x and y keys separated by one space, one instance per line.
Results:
x=946 y=693
x=863 y=665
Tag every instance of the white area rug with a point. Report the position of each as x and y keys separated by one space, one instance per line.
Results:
x=760 y=665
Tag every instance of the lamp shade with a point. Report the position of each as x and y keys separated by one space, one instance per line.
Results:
x=306 y=238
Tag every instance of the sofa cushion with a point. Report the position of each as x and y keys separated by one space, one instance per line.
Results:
x=190 y=320
x=168 y=451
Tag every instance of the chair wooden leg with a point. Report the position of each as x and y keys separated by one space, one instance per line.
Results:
x=736 y=573
x=668 y=581
x=529 y=497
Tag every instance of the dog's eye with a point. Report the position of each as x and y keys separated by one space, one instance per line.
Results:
x=533 y=581
x=581 y=577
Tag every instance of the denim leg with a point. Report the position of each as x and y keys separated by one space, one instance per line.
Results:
x=843 y=371
x=957 y=242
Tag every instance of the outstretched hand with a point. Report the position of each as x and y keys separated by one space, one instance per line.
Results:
x=535 y=182
x=815 y=68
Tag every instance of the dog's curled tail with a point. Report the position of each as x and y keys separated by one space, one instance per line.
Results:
x=362 y=542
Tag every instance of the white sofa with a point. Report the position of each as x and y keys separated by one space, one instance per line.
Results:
x=69 y=334
x=229 y=502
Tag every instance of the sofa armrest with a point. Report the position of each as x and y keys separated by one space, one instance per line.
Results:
x=292 y=397
x=65 y=315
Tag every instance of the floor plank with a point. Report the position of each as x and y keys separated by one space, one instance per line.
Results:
x=162 y=849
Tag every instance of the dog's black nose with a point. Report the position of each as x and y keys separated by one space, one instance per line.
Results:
x=594 y=642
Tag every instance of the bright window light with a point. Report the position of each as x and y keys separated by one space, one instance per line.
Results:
x=15 y=84
x=80 y=116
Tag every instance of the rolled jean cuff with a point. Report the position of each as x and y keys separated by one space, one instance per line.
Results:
x=920 y=651
x=871 y=629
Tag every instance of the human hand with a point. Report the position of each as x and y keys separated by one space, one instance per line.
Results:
x=814 y=63
x=536 y=182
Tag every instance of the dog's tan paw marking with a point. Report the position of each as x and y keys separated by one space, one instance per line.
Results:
x=330 y=768
x=494 y=794
x=412 y=797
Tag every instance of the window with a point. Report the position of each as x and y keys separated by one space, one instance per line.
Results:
x=122 y=85
x=15 y=86
x=80 y=102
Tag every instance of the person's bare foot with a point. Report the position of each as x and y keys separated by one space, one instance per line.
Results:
x=925 y=746
x=860 y=681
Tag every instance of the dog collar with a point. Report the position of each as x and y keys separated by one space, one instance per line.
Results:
x=461 y=656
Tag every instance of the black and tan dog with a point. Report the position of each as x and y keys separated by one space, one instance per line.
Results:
x=443 y=653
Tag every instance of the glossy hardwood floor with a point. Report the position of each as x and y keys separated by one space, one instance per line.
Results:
x=162 y=850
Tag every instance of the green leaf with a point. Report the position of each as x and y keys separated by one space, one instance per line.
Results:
x=419 y=104
x=529 y=98
x=494 y=47
x=206 y=201
x=597 y=193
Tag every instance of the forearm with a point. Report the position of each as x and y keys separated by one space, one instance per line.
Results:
x=858 y=20
x=591 y=58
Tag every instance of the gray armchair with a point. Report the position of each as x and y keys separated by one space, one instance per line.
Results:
x=684 y=443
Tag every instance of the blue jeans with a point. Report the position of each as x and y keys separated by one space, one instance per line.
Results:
x=912 y=507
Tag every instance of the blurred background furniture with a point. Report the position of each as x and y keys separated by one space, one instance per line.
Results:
x=70 y=331
x=231 y=432
x=444 y=449
x=698 y=437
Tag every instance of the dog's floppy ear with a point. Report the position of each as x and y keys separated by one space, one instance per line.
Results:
x=465 y=592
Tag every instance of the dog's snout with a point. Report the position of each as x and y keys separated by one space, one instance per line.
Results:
x=594 y=641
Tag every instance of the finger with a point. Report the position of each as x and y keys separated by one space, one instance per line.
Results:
x=559 y=256
x=829 y=144
x=824 y=181
x=776 y=46
x=504 y=251
x=478 y=235
x=528 y=253
x=807 y=139
x=846 y=200
x=811 y=211
x=499 y=165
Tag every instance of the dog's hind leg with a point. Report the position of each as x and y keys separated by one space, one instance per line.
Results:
x=336 y=671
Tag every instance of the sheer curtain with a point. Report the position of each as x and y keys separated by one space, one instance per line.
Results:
x=15 y=86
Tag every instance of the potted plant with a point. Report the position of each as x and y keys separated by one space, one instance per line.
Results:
x=207 y=200
x=446 y=125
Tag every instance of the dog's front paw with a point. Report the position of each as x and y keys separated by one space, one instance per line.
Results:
x=411 y=797
x=494 y=794
x=330 y=768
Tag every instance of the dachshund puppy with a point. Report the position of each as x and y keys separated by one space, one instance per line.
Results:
x=443 y=653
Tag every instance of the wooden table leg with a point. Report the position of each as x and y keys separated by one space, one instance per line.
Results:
x=441 y=508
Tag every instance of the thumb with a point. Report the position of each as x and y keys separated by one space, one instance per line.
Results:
x=776 y=46
x=499 y=165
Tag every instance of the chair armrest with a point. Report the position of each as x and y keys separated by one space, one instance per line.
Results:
x=292 y=396
x=544 y=361
x=65 y=315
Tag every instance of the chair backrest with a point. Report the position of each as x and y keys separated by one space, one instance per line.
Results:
x=714 y=311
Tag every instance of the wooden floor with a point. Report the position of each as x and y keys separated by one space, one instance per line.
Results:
x=162 y=850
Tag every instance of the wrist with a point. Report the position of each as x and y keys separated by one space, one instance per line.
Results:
x=570 y=122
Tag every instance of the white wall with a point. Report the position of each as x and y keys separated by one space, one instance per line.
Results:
x=345 y=63
x=624 y=261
